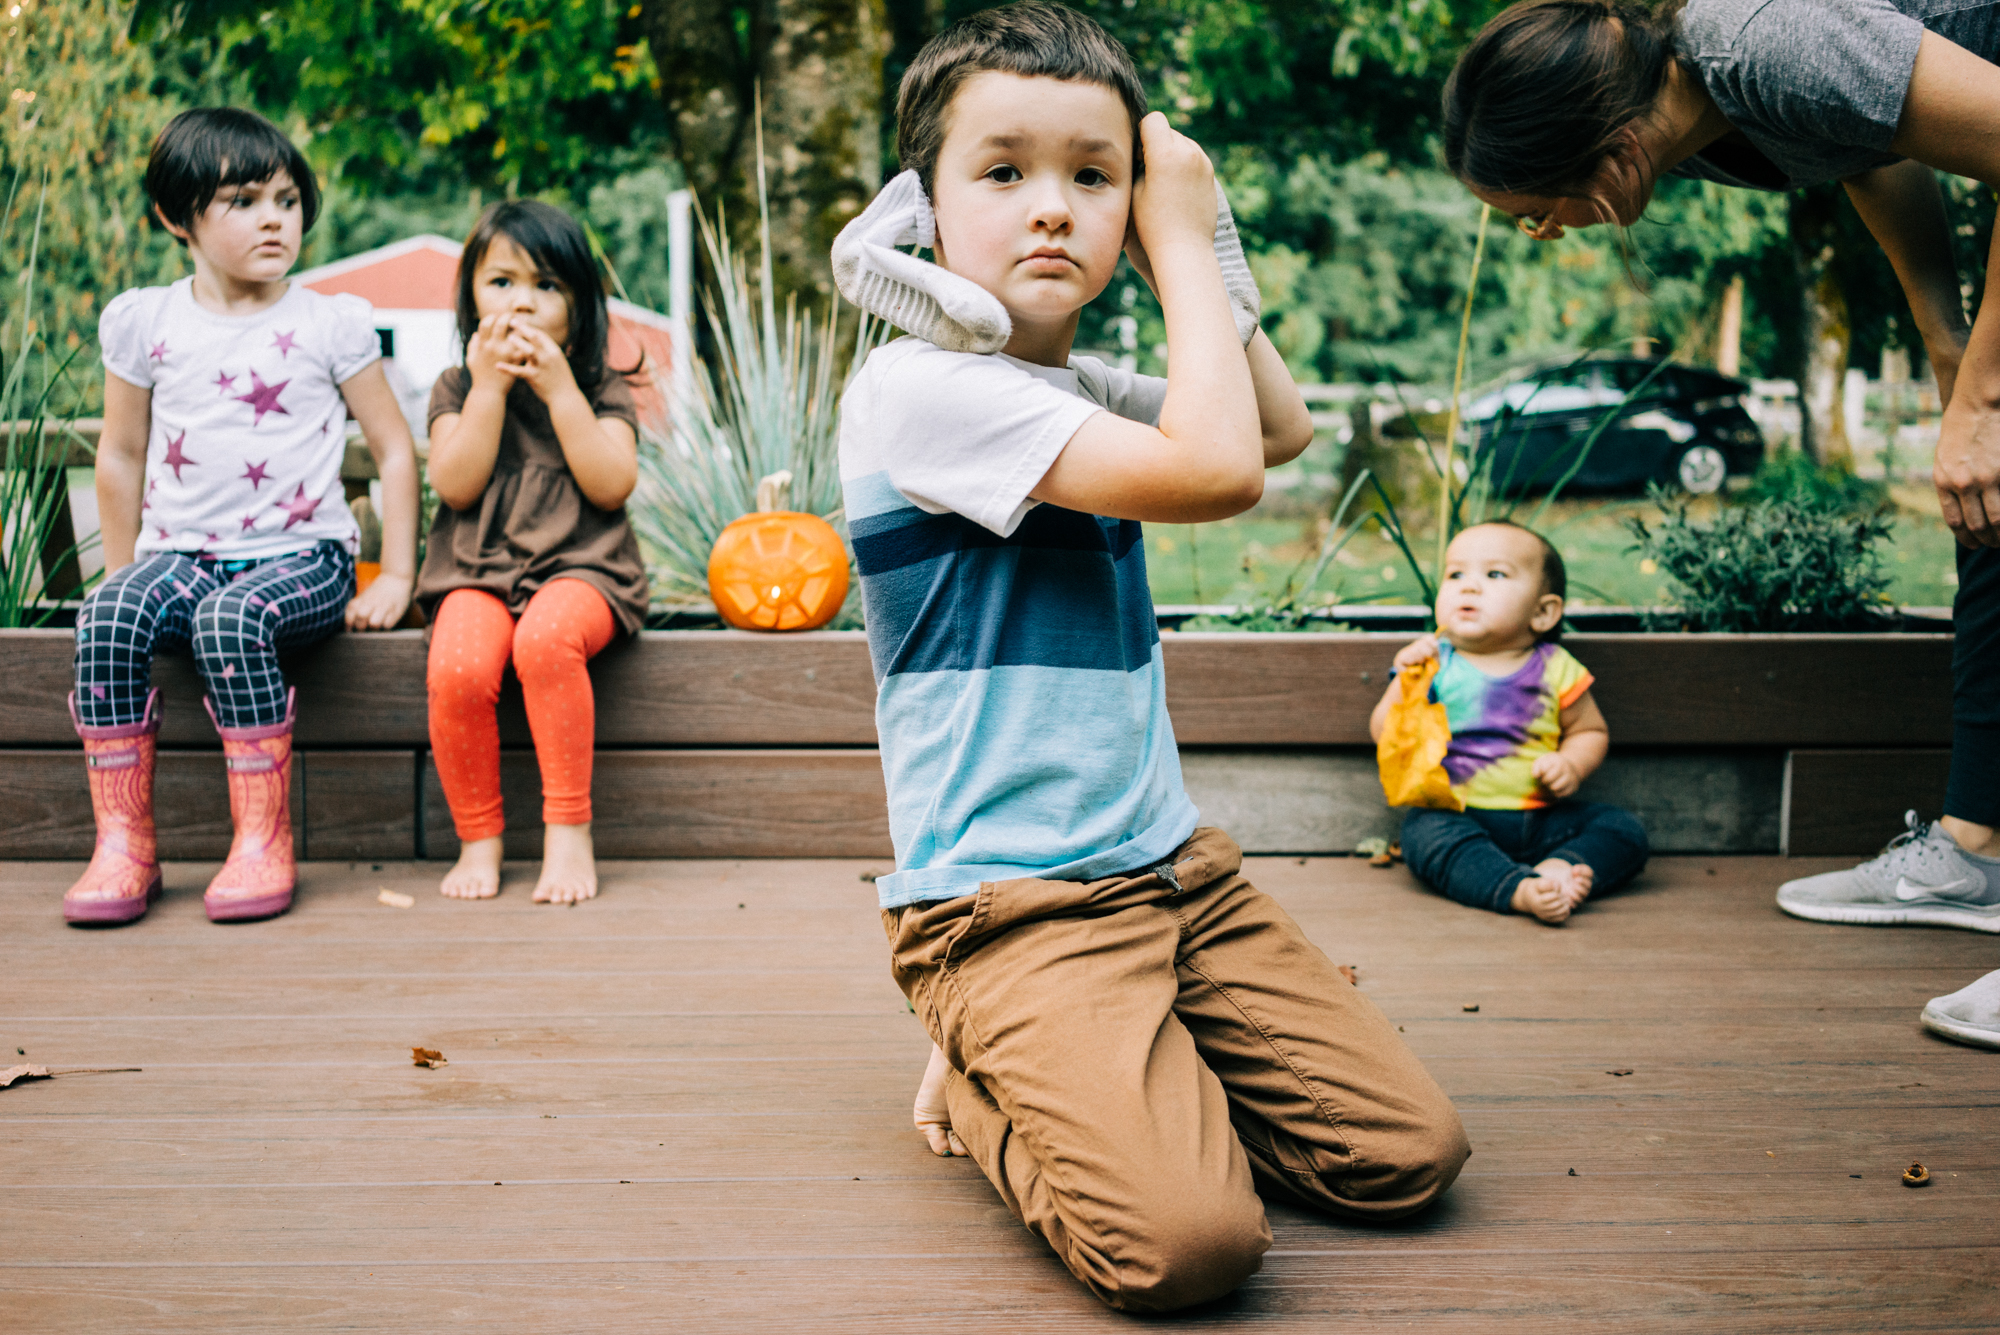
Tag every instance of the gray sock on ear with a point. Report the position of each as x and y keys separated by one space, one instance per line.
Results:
x=915 y=295
x=1246 y=303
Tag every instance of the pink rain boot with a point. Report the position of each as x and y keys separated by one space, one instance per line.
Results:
x=257 y=879
x=123 y=878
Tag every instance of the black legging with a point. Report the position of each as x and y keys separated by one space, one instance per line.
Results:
x=1974 y=794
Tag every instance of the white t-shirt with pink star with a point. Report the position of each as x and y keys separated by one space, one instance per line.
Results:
x=249 y=427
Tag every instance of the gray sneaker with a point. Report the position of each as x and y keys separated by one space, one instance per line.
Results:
x=1922 y=878
x=1969 y=1015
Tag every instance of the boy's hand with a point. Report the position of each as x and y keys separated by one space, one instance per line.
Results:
x=485 y=354
x=1557 y=773
x=381 y=605
x=1175 y=202
x=538 y=359
x=1416 y=651
x=932 y=1116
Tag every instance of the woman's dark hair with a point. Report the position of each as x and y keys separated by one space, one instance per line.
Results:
x=1542 y=95
x=557 y=245
x=1032 y=38
x=203 y=150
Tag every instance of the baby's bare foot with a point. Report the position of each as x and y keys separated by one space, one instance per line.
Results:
x=1581 y=879
x=1544 y=896
x=569 y=865
x=1573 y=877
x=476 y=874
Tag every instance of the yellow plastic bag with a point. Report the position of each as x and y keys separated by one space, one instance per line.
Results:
x=1410 y=754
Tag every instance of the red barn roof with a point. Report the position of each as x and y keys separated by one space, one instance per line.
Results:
x=421 y=273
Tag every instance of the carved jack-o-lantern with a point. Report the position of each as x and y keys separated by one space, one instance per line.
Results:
x=778 y=569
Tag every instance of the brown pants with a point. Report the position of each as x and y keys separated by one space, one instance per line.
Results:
x=1129 y=1055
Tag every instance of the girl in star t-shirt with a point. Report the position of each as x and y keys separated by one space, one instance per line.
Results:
x=225 y=526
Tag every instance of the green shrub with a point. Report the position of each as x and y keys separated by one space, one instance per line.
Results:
x=1791 y=476
x=1803 y=564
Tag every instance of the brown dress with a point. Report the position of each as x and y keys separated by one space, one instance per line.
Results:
x=533 y=522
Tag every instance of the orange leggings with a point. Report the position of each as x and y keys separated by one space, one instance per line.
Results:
x=565 y=624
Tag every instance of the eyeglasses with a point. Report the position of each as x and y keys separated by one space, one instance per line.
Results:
x=1540 y=226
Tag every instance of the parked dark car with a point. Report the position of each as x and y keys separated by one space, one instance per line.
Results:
x=1684 y=427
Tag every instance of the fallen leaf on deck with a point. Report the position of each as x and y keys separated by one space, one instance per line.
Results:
x=1621 y=1071
x=1350 y=973
x=15 y=1073
x=870 y=875
x=395 y=900
x=430 y=1057
x=1572 y=1172
x=1472 y=1006
x=1916 y=1175
x=1381 y=860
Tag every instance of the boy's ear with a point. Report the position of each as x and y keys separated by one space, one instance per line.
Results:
x=1548 y=614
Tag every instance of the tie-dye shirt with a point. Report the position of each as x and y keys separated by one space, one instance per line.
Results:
x=1501 y=725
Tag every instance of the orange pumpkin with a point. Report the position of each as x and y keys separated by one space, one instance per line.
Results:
x=778 y=569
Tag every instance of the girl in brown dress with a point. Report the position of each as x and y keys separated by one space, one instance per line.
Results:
x=533 y=452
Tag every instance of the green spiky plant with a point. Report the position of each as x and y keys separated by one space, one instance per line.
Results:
x=1478 y=499
x=34 y=490
x=769 y=403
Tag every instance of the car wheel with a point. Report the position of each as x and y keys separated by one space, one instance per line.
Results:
x=1701 y=469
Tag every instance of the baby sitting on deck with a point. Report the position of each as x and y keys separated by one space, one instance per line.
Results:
x=1525 y=734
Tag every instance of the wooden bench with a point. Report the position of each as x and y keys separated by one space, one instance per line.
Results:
x=729 y=744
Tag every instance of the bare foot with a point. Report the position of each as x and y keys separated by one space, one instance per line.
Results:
x=569 y=866
x=1546 y=897
x=476 y=875
x=1574 y=877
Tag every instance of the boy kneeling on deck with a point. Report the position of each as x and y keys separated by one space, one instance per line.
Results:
x=1524 y=735
x=1129 y=1038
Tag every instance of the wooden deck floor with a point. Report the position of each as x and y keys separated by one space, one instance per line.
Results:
x=684 y=1107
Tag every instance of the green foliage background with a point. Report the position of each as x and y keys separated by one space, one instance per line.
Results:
x=1321 y=115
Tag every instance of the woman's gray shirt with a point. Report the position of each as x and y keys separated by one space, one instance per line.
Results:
x=1817 y=86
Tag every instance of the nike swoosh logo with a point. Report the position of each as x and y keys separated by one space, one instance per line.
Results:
x=1904 y=890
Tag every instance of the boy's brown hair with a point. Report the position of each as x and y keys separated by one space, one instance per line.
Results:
x=1033 y=38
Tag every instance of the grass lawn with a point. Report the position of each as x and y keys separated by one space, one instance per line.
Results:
x=1248 y=559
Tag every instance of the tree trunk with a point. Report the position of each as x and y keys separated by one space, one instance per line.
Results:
x=1729 y=337
x=819 y=65
x=1821 y=358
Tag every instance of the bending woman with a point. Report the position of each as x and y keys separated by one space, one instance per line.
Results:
x=1566 y=113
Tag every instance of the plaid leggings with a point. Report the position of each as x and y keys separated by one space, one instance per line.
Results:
x=236 y=618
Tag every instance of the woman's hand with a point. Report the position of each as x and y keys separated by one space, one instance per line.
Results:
x=1967 y=470
x=486 y=351
x=538 y=359
x=932 y=1116
x=382 y=604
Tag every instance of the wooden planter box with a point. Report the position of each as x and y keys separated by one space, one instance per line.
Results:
x=728 y=744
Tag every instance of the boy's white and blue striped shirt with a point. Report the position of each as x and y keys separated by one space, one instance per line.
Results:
x=1020 y=702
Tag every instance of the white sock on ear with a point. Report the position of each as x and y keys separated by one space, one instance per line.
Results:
x=1246 y=303
x=915 y=295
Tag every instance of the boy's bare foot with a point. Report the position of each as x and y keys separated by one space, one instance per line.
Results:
x=569 y=865
x=476 y=874
x=1574 y=877
x=1547 y=897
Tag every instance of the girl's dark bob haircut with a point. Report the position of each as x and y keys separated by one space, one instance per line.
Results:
x=202 y=151
x=1033 y=38
x=552 y=239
